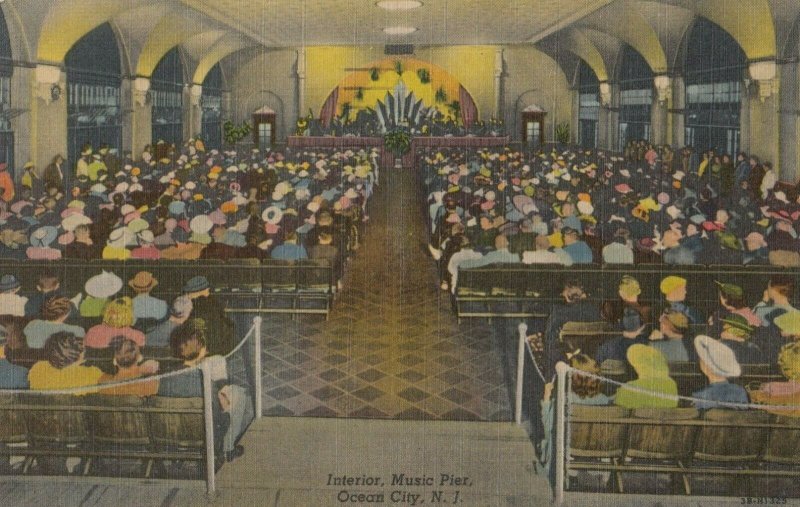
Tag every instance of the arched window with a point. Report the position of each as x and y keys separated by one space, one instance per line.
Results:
x=211 y=102
x=167 y=85
x=715 y=66
x=6 y=71
x=589 y=105
x=94 y=77
x=636 y=97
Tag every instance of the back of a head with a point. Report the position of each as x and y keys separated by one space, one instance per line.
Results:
x=182 y=307
x=193 y=329
x=126 y=352
x=582 y=385
x=63 y=349
x=542 y=242
x=119 y=313
x=55 y=308
x=783 y=284
x=500 y=242
x=47 y=282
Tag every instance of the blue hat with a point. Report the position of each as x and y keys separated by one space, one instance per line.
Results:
x=196 y=284
x=43 y=236
x=177 y=207
x=8 y=282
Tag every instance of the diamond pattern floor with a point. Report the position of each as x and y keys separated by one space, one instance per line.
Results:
x=391 y=347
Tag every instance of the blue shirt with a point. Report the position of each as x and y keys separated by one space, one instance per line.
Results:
x=289 y=252
x=12 y=376
x=146 y=306
x=502 y=256
x=720 y=391
x=579 y=252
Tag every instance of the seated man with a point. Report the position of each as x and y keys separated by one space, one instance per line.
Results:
x=575 y=247
x=54 y=315
x=178 y=314
x=776 y=299
x=289 y=250
x=220 y=339
x=718 y=363
x=146 y=306
x=543 y=254
x=47 y=286
x=11 y=303
x=668 y=338
x=500 y=255
x=231 y=404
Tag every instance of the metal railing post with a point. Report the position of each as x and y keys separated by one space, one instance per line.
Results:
x=208 y=421
x=523 y=329
x=560 y=458
x=258 y=385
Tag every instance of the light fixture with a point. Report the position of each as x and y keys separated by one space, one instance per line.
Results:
x=399 y=5
x=141 y=84
x=763 y=70
x=48 y=74
x=399 y=30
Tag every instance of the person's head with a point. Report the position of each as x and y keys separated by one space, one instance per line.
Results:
x=126 y=352
x=181 y=309
x=673 y=288
x=542 y=242
x=83 y=234
x=63 y=349
x=197 y=286
x=629 y=288
x=585 y=386
x=673 y=324
x=573 y=291
x=789 y=361
x=48 y=282
x=188 y=341
x=722 y=216
x=500 y=242
x=56 y=309
x=671 y=238
x=119 y=313
x=570 y=235
x=291 y=238
x=9 y=284
x=781 y=287
x=716 y=360
x=218 y=233
x=754 y=241
x=325 y=238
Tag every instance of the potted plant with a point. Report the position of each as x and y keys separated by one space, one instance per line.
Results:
x=234 y=133
x=562 y=133
x=397 y=141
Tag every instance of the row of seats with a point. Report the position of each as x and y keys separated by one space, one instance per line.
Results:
x=682 y=442
x=513 y=290
x=102 y=426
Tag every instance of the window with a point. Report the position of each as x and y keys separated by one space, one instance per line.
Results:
x=715 y=66
x=211 y=104
x=166 y=87
x=589 y=106
x=94 y=77
x=6 y=71
x=636 y=97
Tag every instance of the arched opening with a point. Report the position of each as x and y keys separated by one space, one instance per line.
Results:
x=6 y=71
x=588 y=105
x=636 y=97
x=714 y=73
x=167 y=84
x=94 y=77
x=211 y=104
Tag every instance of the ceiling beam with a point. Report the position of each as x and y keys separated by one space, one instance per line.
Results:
x=212 y=12
x=564 y=22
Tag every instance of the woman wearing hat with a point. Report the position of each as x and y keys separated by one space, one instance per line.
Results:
x=718 y=363
x=40 y=248
x=116 y=246
x=652 y=379
x=99 y=290
x=782 y=393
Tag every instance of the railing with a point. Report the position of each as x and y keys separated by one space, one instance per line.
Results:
x=251 y=338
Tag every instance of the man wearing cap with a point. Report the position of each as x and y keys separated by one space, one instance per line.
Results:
x=736 y=334
x=146 y=306
x=718 y=363
x=11 y=303
x=212 y=311
x=668 y=338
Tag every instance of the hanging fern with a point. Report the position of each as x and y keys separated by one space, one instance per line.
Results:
x=441 y=95
x=235 y=133
x=374 y=73
x=424 y=76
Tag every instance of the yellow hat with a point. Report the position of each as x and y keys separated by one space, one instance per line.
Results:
x=671 y=283
x=629 y=286
x=789 y=323
x=789 y=360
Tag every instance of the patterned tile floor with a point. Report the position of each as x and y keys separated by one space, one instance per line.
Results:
x=391 y=347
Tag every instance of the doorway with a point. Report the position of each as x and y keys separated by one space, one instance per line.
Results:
x=264 y=129
x=533 y=128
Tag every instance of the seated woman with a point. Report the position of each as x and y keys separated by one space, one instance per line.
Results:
x=130 y=365
x=718 y=363
x=629 y=316
x=653 y=387
x=55 y=311
x=782 y=393
x=117 y=321
x=585 y=391
x=63 y=368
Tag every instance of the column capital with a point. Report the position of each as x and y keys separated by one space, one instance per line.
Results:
x=765 y=73
x=663 y=85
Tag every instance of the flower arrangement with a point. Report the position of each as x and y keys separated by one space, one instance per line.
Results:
x=234 y=133
x=397 y=141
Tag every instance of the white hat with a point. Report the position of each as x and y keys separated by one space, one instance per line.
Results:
x=272 y=215
x=190 y=185
x=126 y=209
x=145 y=236
x=717 y=356
x=103 y=285
x=71 y=222
x=118 y=237
x=585 y=208
x=201 y=224
x=121 y=187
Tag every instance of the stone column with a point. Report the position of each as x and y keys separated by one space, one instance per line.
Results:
x=140 y=120
x=49 y=115
x=763 y=119
x=575 y=120
x=659 y=111
x=789 y=122
x=195 y=110
x=301 y=83
x=498 y=84
x=22 y=83
x=677 y=113
x=608 y=120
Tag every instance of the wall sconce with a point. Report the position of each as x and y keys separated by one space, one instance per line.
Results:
x=605 y=93
x=48 y=80
x=663 y=86
x=141 y=88
x=765 y=73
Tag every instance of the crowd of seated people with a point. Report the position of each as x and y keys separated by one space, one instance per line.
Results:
x=189 y=203
x=50 y=342
x=590 y=206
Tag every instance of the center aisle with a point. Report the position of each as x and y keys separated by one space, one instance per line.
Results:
x=392 y=347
